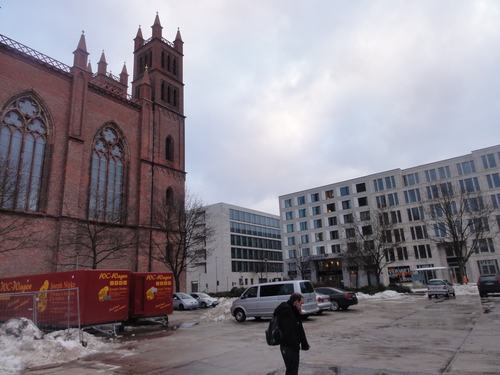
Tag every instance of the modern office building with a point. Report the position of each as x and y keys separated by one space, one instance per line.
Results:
x=246 y=249
x=317 y=222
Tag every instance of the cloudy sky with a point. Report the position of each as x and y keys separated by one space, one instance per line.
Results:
x=286 y=95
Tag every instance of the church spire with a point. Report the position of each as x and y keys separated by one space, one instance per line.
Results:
x=138 y=40
x=178 y=43
x=81 y=54
x=157 y=28
x=102 y=64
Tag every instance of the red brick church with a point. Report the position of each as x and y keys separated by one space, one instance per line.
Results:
x=82 y=162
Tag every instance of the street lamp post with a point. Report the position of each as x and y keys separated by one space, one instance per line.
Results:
x=267 y=279
x=216 y=277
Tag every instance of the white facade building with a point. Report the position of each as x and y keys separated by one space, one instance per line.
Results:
x=246 y=249
x=313 y=220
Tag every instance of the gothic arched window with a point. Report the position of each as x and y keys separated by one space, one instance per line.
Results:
x=106 y=180
x=169 y=197
x=169 y=148
x=23 y=136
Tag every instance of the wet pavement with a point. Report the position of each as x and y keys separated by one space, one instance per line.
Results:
x=414 y=336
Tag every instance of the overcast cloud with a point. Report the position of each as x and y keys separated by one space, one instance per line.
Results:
x=286 y=95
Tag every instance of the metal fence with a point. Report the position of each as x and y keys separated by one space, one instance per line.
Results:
x=49 y=310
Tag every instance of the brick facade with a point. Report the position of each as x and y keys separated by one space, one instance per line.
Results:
x=77 y=105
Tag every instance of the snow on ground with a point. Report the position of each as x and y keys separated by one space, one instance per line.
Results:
x=23 y=345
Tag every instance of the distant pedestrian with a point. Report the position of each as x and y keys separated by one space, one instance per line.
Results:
x=293 y=335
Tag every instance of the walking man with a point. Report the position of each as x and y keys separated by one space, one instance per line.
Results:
x=293 y=335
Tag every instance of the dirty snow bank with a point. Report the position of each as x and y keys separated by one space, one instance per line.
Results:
x=24 y=346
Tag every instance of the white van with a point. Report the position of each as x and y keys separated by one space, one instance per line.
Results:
x=262 y=299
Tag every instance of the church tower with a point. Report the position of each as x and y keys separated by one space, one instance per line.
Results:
x=158 y=86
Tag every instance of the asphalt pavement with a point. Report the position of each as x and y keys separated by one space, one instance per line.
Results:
x=414 y=335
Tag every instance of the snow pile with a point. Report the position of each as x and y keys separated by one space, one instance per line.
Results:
x=221 y=312
x=23 y=346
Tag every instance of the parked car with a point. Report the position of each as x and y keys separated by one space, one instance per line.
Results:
x=339 y=298
x=260 y=300
x=440 y=287
x=324 y=302
x=183 y=301
x=488 y=284
x=204 y=300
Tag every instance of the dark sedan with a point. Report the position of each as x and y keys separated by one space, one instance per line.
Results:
x=488 y=284
x=341 y=299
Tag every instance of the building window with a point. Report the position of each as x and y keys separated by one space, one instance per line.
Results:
x=474 y=204
x=288 y=203
x=301 y=200
x=412 y=195
x=304 y=238
x=390 y=182
x=289 y=228
x=302 y=212
x=485 y=245
x=346 y=205
x=381 y=201
x=318 y=223
x=291 y=241
x=332 y=220
x=314 y=197
x=444 y=172
x=399 y=235
x=306 y=252
x=393 y=199
x=466 y=167
x=360 y=187
x=320 y=250
x=23 y=133
x=334 y=234
x=330 y=207
x=169 y=148
x=169 y=197
x=292 y=254
x=367 y=230
x=363 y=201
x=378 y=184
x=329 y=194
x=318 y=237
x=489 y=161
x=350 y=233
x=348 y=219
x=440 y=230
x=411 y=179
x=493 y=180
x=430 y=175
x=335 y=249
x=422 y=251
x=303 y=225
x=364 y=215
x=495 y=199
x=344 y=191
x=316 y=210
x=106 y=180
x=402 y=253
x=415 y=213
x=469 y=185
x=289 y=215
x=418 y=232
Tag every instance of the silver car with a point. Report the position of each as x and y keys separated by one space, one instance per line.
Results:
x=204 y=300
x=183 y=301
x=440 y=287
x=324 y=302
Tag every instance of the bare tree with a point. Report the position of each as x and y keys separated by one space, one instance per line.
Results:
x=15 y=231
x=185 y=234
x=372 y=241
x=93 y=242
x=302 y=260
x=459 y=217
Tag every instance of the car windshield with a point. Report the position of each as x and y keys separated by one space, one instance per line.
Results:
x=183 y=295
x=203 y=295
x=436 y=282
x=489 y=278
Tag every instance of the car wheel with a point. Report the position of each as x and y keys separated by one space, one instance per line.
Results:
x=335 y=306
x=430 y=296
x=240 y=315
x=203 y=304
x=181 y=307
x=447 y=295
